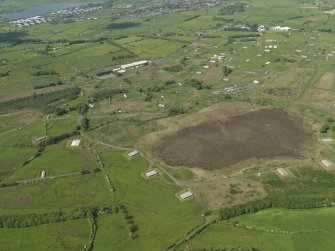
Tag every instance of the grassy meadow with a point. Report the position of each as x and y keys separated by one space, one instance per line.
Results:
x=182 y=85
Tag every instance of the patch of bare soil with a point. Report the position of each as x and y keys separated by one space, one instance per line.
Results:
x=215 y=144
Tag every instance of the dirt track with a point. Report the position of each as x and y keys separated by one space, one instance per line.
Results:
x=265 y=133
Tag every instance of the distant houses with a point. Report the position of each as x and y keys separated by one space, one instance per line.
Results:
x=28 y=21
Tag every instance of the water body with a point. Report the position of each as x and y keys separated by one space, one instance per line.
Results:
x=39 y=10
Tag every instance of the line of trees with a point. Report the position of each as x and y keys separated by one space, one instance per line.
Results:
x=130 y=224
x=36 y=155
x=48 y=85
x=44 y=73
x=30 y=220
x=39 y=101
x=231 y=9
x=103 y=94
x=56 y=139
x=11 y=184
x=281 y=202
x=227 y=249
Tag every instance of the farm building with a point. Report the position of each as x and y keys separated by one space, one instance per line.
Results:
x=186 y=195
x=121 y=71
x=161 y=106
x=280 y=28
x=135 y=64
x=326 y=163
x=133 y=153
x=327 y=140
x=43 y=174
x=151 y=173
x=282 y=171
x=75 y=142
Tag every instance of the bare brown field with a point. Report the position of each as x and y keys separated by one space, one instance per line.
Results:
x=220 y=142
x=224 y=192
x=320 y=98
x=327 y=81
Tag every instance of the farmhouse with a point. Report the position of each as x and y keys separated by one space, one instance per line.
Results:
x=135 y=64
x=133 y=153
x=151 y=173
x=186 y=195
x=282 y=171
x=75 y=142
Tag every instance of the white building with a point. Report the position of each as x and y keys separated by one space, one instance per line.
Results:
x=75 y=142
x=151 y=173
x=133 y=153
x=121 y=71
x=282 y=171
x=326 y=163
x=43 y=174
x=186 y=195
x=280 y=28
x=135 y=64
x=327 y=140
x=161 y=106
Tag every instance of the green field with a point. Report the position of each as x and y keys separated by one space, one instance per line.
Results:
x=206 y=64
x=70 y=235
x=274 y=229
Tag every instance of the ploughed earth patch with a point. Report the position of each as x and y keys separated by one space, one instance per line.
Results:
x=266 y=133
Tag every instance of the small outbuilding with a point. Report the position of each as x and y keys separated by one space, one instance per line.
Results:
x=133 y=153
x=282 y=171
x=75 y=142
x=186 y=195
x=327 y=140
x=151 y=173
x=43 y=174
x=326 y=163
